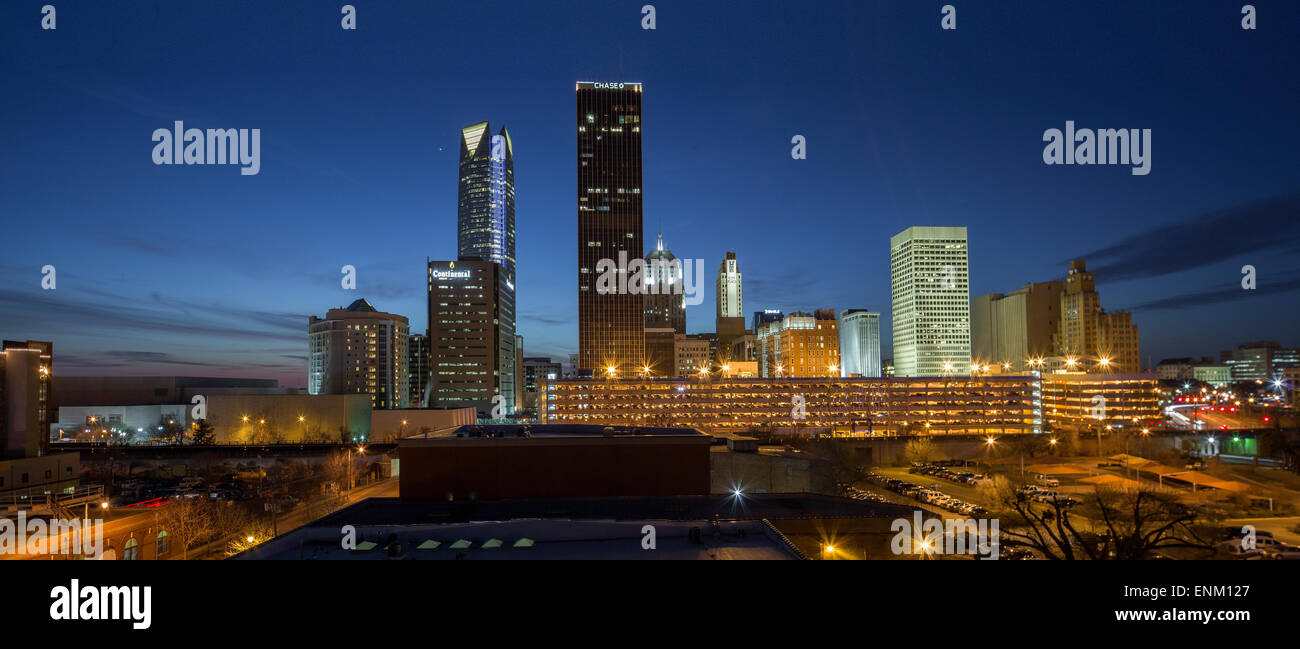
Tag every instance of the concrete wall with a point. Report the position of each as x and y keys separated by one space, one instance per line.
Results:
x=765 y=473
x=391 y=425
x=504 y=468
x=274 y=418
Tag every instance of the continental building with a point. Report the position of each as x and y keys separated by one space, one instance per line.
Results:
x=929 y=277
x=610 y=325
x=1083 y=401
x=1017 y=326
x=485 y=202
x=802 y=344
x=471 y=336
x=665 y=303
x=859 y=343
x=1100 y=341
x=360 y=350
x=937 y=405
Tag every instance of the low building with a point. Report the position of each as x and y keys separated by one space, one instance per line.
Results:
x=938 y=405
x=1082 y=401
x=138 y=423
x=706 y=527
x=1216 y=375
x=557 y=461
x=31 y=479
x=692 y=353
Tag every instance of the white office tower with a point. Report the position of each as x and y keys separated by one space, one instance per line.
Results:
x=859 y=343
x=931 y=301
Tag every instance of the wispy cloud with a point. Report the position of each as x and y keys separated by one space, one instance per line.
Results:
x=1256 y=228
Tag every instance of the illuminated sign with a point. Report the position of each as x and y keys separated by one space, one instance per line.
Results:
x=451 y=273
x=608 y=86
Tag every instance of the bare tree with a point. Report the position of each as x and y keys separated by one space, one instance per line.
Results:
x=187 y=520
x=1108 y=524
x=919 y=451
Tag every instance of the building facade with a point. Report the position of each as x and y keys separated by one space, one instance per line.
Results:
x=1084 y=401
x=485 y=201
x=665 y=302
x=1263 y=360
x=1015 y=327
x=803 y=344
x=26 y=397
x=360 y=350
x=471 y=336
x=859 y=343
x=692 y=354
x=953 y=405
x=730 y=322
x=1100 y=341
x=929 y=280
x=536 y=367
x=417 y=369
x=611 y=325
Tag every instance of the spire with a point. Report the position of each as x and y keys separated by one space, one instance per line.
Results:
x=661 y=241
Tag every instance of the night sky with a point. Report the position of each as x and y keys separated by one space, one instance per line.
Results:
x=199 y=270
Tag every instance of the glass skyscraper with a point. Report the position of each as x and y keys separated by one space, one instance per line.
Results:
x=485 y=209
x=859 y=343
x=611 y=324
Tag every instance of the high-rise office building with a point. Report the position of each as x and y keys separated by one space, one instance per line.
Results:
x=665 y=302
x=360 y=350
x=1094 y=339
x=730 y=310
x=519 y=373
x=859 y=343
x=417 y=372
x=1015 y=327
x=929 y=277
x=611 y=325
x=471 y=336
x=26 y=403
x=485 y=202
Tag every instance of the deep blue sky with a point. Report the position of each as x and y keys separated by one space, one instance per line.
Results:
x=199 y=270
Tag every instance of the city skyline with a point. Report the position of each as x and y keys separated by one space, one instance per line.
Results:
x=204 y=271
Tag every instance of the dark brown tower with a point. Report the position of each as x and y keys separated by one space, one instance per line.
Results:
x=610 y=323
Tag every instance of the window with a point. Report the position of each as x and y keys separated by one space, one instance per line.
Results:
x=131 y=551
x=163 y=542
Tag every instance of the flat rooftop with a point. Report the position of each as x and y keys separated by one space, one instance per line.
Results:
x=730 y=527
x=552 y=431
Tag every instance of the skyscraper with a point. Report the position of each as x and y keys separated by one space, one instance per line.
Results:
x=485 y=205
x=860 y=343
x=471 y=336
x=611 y=325
x=929 y=277
x=1093 y=338
x=360 y=350
x=730 y=317
x=665 y=303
